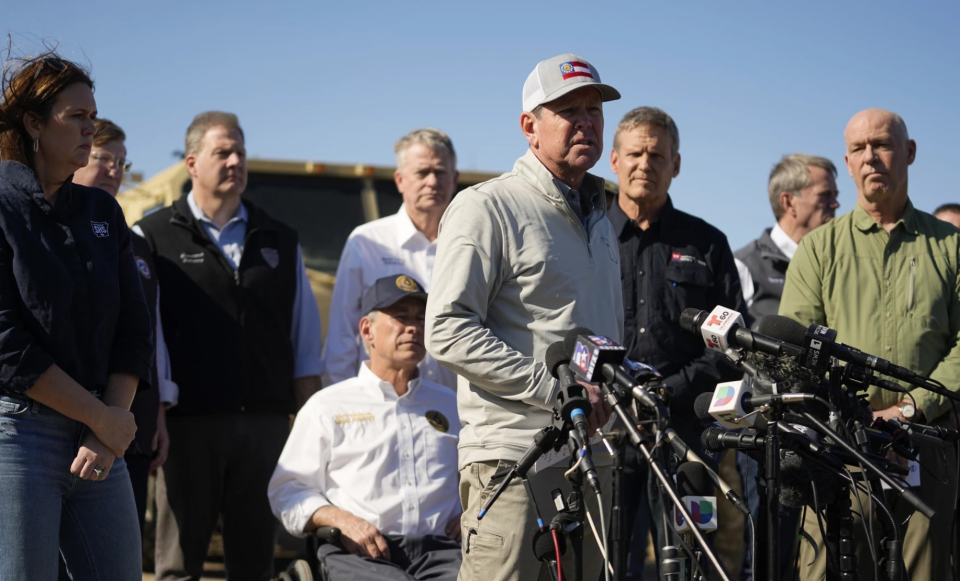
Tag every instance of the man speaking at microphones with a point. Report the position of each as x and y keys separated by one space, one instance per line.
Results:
x=669 y=261
x=886 y=277
x=522 y=259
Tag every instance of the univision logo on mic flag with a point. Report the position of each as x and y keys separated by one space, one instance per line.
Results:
x=703 y=510
x=723 y=394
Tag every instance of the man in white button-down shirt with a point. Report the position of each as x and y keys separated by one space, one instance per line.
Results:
x=405 y=242
x=376 y=455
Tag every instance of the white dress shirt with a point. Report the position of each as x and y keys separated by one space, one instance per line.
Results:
x=783 y=242
x=384 y=247
x=358 y=446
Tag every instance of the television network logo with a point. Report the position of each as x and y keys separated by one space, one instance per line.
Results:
x=701 y=512
x=724 y=396
x=581 y=357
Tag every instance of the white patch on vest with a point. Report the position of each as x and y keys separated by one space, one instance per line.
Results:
x=101 y=229
x=191 y=258
x=272 y=256
x=775 y=280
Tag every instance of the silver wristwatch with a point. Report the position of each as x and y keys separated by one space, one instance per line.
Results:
x=908 y=411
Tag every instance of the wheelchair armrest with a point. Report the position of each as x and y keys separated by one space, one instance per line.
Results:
x=328 y=535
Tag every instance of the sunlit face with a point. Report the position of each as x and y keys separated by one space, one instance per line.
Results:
x=396 y=333
x=817 y=203
x=878 y=154
x=568 y=136
x=66 y=136
x=427 y=180
x=219 y=168
x=105 y=170
x=644 y=163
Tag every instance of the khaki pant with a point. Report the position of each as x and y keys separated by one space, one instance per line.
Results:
x=500 y=547
x=926 y=544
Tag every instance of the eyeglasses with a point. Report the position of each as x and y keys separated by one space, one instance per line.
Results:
x=108 y=159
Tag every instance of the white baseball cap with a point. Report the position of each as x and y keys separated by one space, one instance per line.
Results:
x=557 y=76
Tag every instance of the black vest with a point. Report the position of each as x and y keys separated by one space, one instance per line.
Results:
x=768 y=269
x=144 y=407
x=227 y=331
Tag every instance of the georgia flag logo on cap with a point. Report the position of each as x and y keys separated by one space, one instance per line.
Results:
x=573 y=69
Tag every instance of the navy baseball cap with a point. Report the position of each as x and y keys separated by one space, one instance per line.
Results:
x=389 y=290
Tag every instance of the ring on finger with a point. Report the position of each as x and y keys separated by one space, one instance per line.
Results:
x=98 y=472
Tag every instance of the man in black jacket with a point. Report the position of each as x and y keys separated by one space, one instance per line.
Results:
x=243 y=332
x=669 y=261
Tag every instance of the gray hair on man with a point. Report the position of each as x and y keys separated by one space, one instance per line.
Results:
x=203 y=123
x=792 y=174
x=650 y=117
x=436 y=140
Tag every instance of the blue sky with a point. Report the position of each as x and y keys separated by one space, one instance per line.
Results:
x=745 y=81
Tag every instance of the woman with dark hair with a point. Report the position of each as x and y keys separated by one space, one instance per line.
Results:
x=75 y=338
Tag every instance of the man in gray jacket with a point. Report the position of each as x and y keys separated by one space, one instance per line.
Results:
x=803 y=194
x=522 y=259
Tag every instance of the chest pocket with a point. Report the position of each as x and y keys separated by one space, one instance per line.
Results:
x=686 y=285
x=441 y=453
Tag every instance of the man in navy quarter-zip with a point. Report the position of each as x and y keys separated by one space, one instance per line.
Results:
x=669 y=261
x=243 y=333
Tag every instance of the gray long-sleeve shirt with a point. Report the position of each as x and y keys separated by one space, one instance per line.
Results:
x=515 y=270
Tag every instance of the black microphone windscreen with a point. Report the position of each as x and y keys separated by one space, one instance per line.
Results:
x=694 y=480
x=555 y=357
x=688 y=320
x=570 y=339
x=710 y=438
x=543 y=545
x=701 y=406
x=798 y=477
x=782 y=328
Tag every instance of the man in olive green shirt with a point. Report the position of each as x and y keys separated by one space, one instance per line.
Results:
x=885 y=277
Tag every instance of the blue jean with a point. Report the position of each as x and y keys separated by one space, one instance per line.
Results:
x=45 y=509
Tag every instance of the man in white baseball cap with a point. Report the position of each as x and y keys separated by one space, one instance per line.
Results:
x=521 y=260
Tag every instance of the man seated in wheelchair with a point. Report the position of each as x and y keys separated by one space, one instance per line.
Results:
x=376 y=456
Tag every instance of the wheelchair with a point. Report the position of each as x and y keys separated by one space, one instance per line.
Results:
x=311 y=568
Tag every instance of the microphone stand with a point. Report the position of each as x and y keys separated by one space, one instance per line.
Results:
x=612 y=397
x=619 y=536
x=771 y=474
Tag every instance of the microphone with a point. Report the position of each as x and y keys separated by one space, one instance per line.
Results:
x=732 y=401
x=570 y=399
x=696 y=490
x=684 y=451
x=797 y=476
x=580 y=449
x=724 y=328
x=598 y=358
x=545 y=551
x=818 y=343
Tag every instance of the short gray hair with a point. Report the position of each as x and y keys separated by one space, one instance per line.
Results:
x=650 y=117
x=205 y=122
x=372 y=317
x=792 y=174
x=436 y=140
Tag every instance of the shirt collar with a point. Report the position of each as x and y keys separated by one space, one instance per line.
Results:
x=864 y=223
x=619 y=219
x=783 y=241
x=240 y=216
x=386 y=390
x=407 y=233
